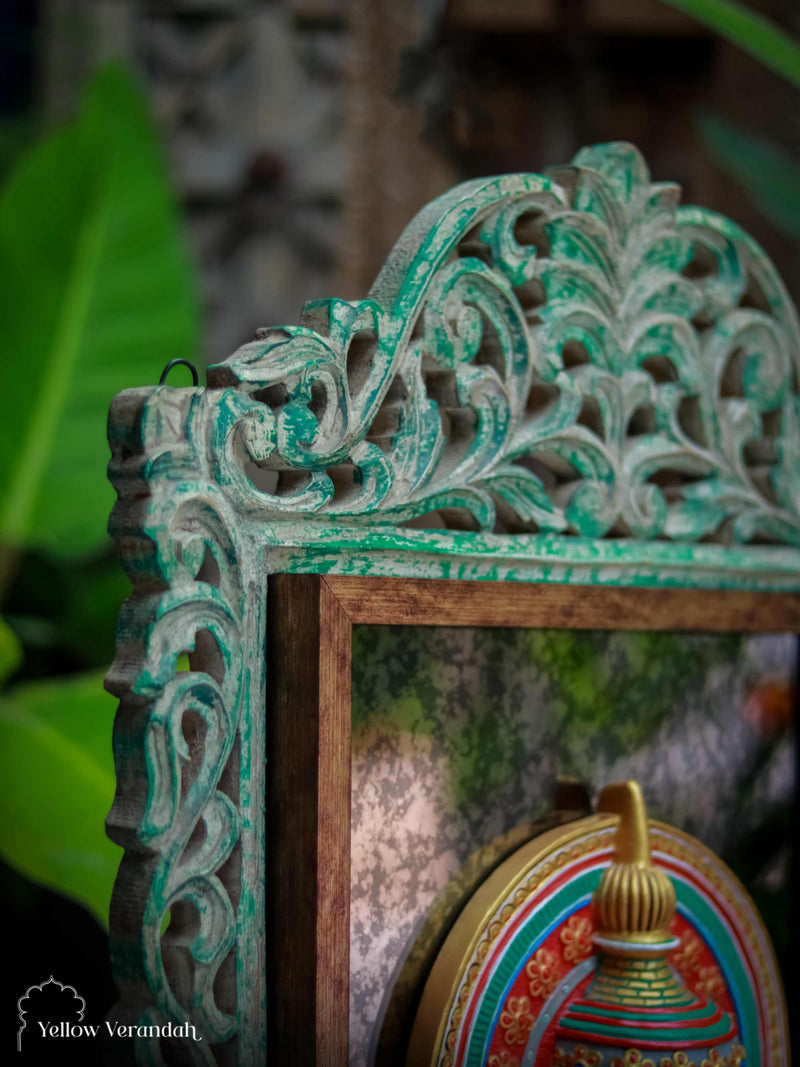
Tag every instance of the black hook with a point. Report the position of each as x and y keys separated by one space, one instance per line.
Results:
x=179 y=363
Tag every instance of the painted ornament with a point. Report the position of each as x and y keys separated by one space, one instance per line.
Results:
x=612 y=942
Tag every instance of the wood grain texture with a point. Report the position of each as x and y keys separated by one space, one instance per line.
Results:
x=432 y=602
x=308 y=806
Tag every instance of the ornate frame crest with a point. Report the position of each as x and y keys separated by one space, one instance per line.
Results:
x=565 y=378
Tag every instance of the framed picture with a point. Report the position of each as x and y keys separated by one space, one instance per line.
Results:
x=433 y=747
x=567 y=406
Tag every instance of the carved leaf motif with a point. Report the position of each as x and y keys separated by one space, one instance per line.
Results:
x=182 y=829
x=526 y=496
x=786 y=474
x=564 y=322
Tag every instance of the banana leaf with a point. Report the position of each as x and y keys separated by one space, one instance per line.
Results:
x=771 y=179
x=58 y=783
x=96 y=294
x=752 y=32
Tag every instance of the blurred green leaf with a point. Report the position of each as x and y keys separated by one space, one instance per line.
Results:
x=752 y=32
x=16 y=134
x=96 y=295
x=64 y=614
x=93 y=597
x=57 y=772
x=10 y=651
x=771 y=179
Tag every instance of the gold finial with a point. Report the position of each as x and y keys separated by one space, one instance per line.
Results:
x=635 y=901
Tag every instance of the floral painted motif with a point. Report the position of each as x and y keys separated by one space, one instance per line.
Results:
x=632 y=1058
x=613 y=283
x=711 y=982
x=576 y=937
x=580 y=1056
x=543 y=973
x=688 y=955
x=516 y=1020
x=503 y=1058
x=715 y=1059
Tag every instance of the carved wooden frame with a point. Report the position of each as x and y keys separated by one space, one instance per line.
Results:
x=574 y=380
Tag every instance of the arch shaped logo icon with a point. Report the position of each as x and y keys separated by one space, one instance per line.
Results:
x=69 y=1004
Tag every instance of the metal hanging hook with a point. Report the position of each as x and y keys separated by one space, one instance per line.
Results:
x=179 y=363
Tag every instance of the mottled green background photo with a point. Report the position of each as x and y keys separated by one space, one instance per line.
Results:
x=460 y=734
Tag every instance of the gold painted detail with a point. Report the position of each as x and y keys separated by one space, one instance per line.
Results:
x=632 y=1058
x=635 y=901
x=581 y=1056
x=536 y=878
x=710 y=980
x=516 y=1021
x=687 y=957
x=644 y=982
x=543 y=972
x=576 y=937
x=673 y=843
x=503 y=1058
x=717 y=1059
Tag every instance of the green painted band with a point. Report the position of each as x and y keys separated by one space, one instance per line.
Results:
x=669 y=1035
x=633 y=1016
x=711 y=926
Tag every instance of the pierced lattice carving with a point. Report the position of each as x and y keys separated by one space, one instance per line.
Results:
x=566 y=375
x=571 y=354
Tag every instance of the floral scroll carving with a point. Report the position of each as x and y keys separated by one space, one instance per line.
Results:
x=573 y=354
x=181 y=896
x=550 y=373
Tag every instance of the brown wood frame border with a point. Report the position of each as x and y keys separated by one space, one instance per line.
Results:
x=310 y=619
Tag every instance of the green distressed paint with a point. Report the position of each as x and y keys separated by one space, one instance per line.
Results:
x=616 y=689
x=577 y=380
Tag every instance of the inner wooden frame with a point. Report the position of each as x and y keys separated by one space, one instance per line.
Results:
x=310 y=619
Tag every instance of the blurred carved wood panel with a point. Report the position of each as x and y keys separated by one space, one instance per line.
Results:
x=394 y=171
x=251 y=114
x=304 y=135
x=441 y=92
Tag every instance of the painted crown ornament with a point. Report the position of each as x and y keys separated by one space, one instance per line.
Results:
x=610 y=941
x=637 y=1010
